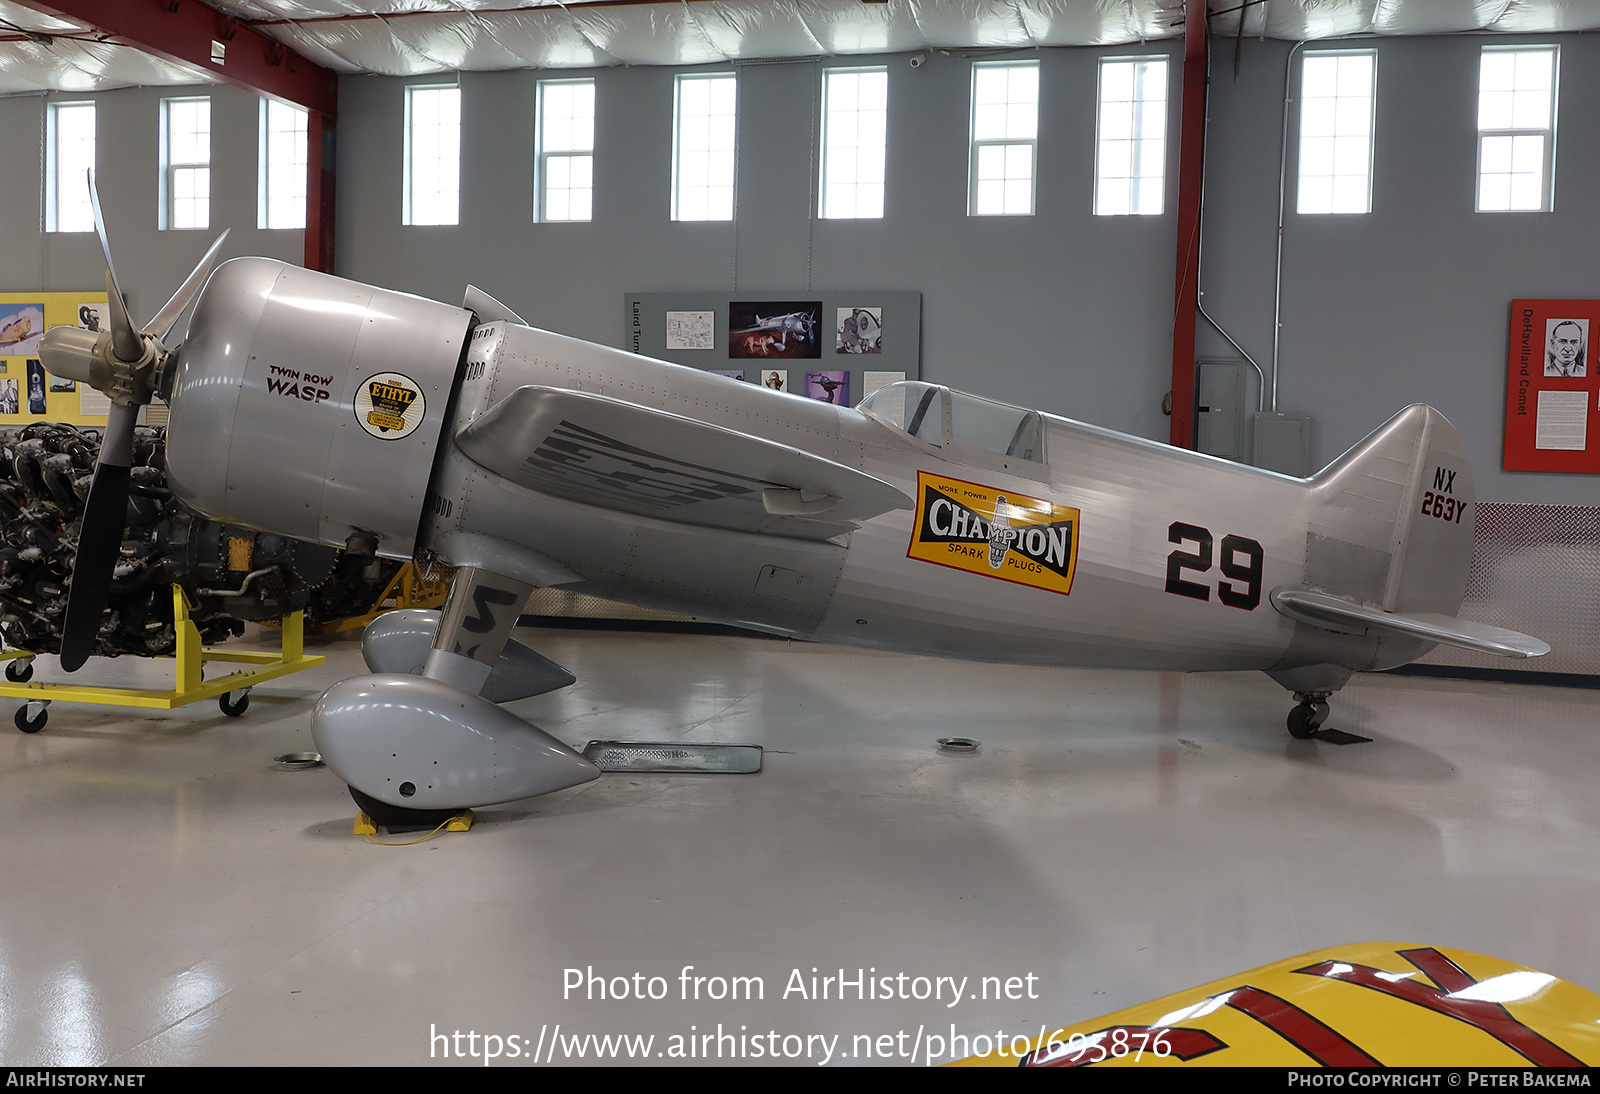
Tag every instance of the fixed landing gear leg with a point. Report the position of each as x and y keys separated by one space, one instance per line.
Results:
x=478 y=617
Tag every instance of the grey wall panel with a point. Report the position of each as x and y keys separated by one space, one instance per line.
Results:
x=1412 y=301
x=150 y=263
x=1063 y=310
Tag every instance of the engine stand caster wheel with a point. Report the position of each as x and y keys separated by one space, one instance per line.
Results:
x=31 y=717
x=233 y=707
x=19 y=670
x=1305 y=719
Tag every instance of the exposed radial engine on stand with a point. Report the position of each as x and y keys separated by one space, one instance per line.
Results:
x=232 y=575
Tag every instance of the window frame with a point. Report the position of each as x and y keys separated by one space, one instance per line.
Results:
x=732 y=184
x=170 y=166
x=1372 y=134
x=975 y=143
x=823 y=212
x=1547 y=188
x=1100 y=139
x=542 y=153
x=408 y=213
x=265 y=163
x=53 y=175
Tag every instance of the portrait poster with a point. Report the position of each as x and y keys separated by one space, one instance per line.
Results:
x=1552 y=390
x=30 y=393
x=774 y=329
x=859 y=330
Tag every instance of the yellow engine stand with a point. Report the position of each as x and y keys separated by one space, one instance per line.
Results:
x=190 y=687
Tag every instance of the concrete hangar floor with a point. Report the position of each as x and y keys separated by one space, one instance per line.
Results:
x=171 y=897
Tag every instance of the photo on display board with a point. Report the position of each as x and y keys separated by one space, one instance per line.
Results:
x=20 y=328
x=783 y=329
x=860 y=330
x=57 y=383
x=691 y=330
x=775 y=378
x=35 y=388
x=830 y=386
x=1566 y=347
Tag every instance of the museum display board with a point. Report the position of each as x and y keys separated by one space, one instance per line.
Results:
x=1552 y=390
x=838 y=346
x=27 y=392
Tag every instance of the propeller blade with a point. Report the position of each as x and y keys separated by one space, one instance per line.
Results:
x=172 y=309
x=100 y=539
x=125 y=341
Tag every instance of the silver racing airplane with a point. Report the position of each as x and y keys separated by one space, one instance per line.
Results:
x=924 y=520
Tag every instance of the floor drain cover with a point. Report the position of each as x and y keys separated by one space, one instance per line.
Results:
x=293 y=761
x=649 y=756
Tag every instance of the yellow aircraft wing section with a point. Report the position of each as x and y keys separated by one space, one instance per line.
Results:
x=1379 y=1004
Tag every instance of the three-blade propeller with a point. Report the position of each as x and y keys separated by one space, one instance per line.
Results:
x=122 y=366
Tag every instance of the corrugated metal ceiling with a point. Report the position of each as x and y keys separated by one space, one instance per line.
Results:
x=414 y=37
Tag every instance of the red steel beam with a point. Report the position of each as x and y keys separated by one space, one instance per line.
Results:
x=1191 y=148
x=319 y=191
x=181 y=31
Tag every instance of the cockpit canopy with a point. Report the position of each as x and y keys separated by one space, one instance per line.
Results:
x=923 y=409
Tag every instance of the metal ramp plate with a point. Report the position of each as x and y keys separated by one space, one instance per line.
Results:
x=674 y=757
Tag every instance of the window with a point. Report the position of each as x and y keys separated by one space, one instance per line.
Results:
x=1131 y=152
x=1336 y=97
x=1005 y=139
x=566 y=150
x=433 y=155
x=1516 y=128
x=855 y=119
x=703 y=132
x=186 y=179
x=70 y=140
x=281 y=190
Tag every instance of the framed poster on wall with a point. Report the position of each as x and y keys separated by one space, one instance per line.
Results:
x=1553 y=387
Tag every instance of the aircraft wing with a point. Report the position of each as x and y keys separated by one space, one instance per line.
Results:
x=618 y=455
x=1323 y=610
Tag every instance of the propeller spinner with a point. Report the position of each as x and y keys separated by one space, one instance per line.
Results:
x=122 y=364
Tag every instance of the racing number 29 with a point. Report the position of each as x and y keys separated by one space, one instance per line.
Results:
x=1242 y=590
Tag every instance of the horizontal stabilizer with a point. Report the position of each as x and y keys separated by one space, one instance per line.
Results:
x=618 y=455
x=1323 y=610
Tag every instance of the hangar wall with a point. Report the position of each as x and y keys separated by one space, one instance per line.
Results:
x=151 y=264
x=1063 y=310
x=1411 y=302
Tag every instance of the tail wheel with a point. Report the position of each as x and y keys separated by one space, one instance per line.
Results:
x=1305 y=719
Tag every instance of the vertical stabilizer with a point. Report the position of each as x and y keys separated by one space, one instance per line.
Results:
x=1391 y=528
x=1392 y=519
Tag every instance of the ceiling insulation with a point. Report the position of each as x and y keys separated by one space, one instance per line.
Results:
x=416 y=37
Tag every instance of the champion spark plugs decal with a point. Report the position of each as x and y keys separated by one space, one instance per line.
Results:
x=999 y=534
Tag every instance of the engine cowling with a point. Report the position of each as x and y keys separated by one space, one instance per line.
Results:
x=310 y=405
